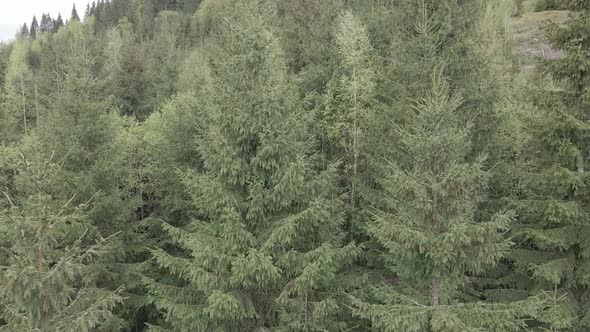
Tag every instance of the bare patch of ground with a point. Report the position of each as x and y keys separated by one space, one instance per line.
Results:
x=530 y=42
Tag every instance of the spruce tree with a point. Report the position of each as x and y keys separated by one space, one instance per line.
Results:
x=429 y=230
x=125 y=71
x=17 y=113
x=51 y=249
x=347 y=117
x=85 y=127
x=24 y=31
x=427 y=33
x=308 y=38
x=74 y=15
x=551 y=256
x=264 y=247
x=34 y=28
x=163 y=59
x=46 y=23
x=350 y=102
x=571 y=137
x=57 y=23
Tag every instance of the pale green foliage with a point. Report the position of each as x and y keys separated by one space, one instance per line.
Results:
x=264 y=241
x=239 y=150
x=50 y=254
x=125 y=71
x=429 y=230
x=164 y=58
x=401 y=315
x=344 y=117
x=17 y=111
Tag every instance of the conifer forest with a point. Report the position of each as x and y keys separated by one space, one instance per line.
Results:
x=297 y=166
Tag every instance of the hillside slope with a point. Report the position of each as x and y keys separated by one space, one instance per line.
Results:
x=529 y=38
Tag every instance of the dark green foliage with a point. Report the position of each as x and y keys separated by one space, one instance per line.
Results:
x=74 y=15
x=264 y=246
x=555 y=211
x=47 y=281
x=24 y=31
x=57 y=23
x=163 y=58
x=125 y=71
x=429 y=228
x=34 y=28
x=46 y=23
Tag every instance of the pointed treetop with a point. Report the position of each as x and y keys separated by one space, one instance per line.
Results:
x=74 y=16
x=34 y=27
x=24 y=31
x=46 y=23
x=58 y=23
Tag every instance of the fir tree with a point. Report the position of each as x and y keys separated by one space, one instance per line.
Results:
x=46 y=23
x=34 y=28
x=307 y=37
x=125 y=71
x=74 y=15
x=57 y=23
x=82 y=125
x=163 y=59
x=429 y=229
x=24 y=31
x=349 y=104
x=18 y=112
x=51 y=253
x=552 y=253
x=264 y=246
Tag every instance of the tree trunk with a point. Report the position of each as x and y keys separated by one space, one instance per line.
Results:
x=435 y=292
x=40 y=254
x=355 y=150
x=22 y=90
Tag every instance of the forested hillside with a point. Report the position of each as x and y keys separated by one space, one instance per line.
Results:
x=297 y=165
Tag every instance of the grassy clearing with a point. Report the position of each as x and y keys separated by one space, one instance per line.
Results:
x=529 y=38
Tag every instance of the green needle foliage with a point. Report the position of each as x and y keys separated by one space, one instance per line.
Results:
x=295 y=165
x=429 y=232
x=552 y=253
x=264 y=247
x=350 y=102
x=51 y=252
x=17 y=113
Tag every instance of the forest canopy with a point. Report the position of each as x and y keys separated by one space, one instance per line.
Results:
x=297 y=165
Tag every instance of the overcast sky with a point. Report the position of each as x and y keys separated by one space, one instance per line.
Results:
x=16 y=12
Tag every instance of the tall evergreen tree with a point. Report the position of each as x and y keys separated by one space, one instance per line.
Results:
x=82 y=125
x=46 y=23
x=34 y=28
x=47 y=284
x=163 y=58
x=429 y=230
x=74 y=15
x=17 y=113
x=307 y=37
x=264 y=248
x=552 y=253
x=346 y=112
x=57 y=23
x=24 y=31
x=125 y=71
